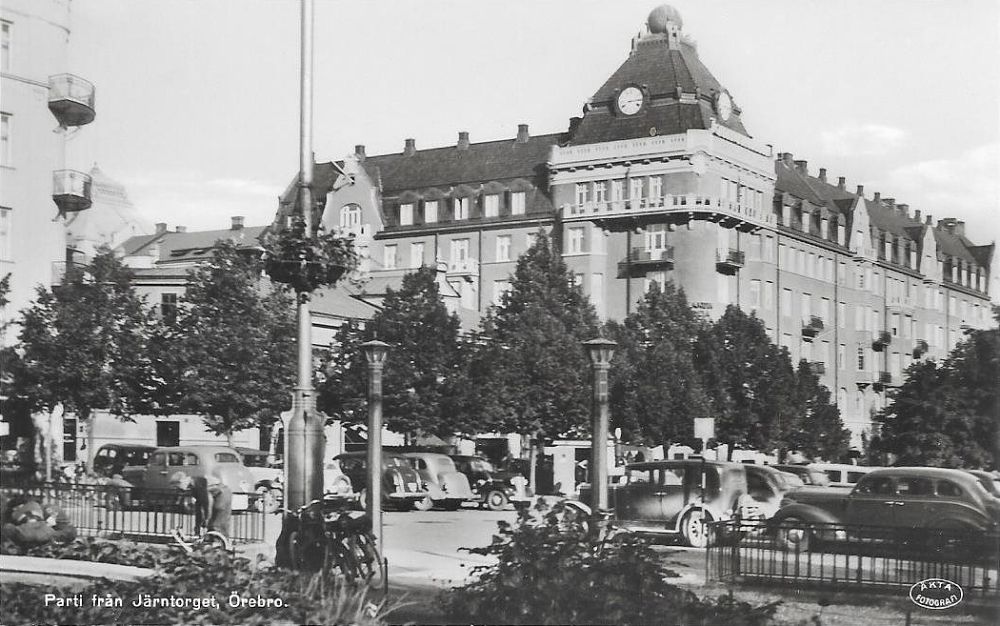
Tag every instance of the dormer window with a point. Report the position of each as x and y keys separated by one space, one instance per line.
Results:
x=461 y=208
x=491 y=205
x=406 y=215
x=517 y=203
x=430 y=212
x=350 y=216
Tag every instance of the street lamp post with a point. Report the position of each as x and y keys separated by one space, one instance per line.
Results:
x=375 y=354
x=600 y=351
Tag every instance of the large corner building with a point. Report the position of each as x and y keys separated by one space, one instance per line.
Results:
x=659 y=180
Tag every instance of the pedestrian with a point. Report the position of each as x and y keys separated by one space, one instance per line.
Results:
x=221 y=514
x=198 y=489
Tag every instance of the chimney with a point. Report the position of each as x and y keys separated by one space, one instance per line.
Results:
x=878 y=197
x=410 y=148
x=802 y=167
x=904 y=209
x=929 y=220
x=463 y=140
x=944 y=224
x=181 y=229
x=842 y=183
x=959 y=228
x=522 y=133
x=822 y=174
x=161 y=227
x=787 y=158
x=860 y=191
x=359 y=151
x=237 y=223
x=916 y=215
x=891 y=202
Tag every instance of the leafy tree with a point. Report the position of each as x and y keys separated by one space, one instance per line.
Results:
x=84 y=345
x=655 y=391
x=532 y=369
x=948 y=414
x=751 y=380
x=818 y=431
x=423 y=371
x=236 y=357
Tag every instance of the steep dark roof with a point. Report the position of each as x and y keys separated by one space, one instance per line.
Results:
x=189 y=246
x=663 y=72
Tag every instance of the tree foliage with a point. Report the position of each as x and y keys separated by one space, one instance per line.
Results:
x=235 y=348
x=423 y=373
x=655 y=391
x=948 y=414
x=819 y=431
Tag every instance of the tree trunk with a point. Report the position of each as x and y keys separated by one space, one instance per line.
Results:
x=229 y=438
x=532 y=462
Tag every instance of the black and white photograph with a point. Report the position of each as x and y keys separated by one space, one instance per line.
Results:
x=563 y=312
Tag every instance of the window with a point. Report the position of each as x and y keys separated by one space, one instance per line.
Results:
x=500 y=287
x=430 y=212
x=841 y=315
x=824 y=309
x=841 y=356
x=582 y=193
x=806 y=310
x=949 y=489
x=4 y=234
x=350 y=216
x=529 y=239
x=597 y=292
x=655 y=187
x=915 y=486
x=517 y=203
x=168 y=307
x=389 y=262
x=5 y=140
x=600 y=192
x=575 y=241
x=406 y=215
x=459 y=250
x=754 y=294
x=5 y=33
x=860 y=315
x=617 y=190
x=769 y=295
x=503 y=248
x=635 y=192
x=417 y=254
x=769 y=249
x=461 y=208
x=879 y=485
x=491 y=205
x=786 y=302
x=861 y=358
x=656 y=237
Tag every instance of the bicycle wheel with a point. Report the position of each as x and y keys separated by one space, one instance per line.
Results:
x=372 y=566
x=340 y=560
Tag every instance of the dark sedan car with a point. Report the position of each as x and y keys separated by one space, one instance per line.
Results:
x=113 y=458
x=402 y=487
x=493 y=488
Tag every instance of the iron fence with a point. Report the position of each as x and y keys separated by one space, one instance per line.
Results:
x=869 y=557
x=120 y=512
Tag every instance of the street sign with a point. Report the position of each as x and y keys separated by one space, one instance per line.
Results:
x=704 y=428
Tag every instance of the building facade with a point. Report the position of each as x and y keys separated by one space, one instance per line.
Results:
x=659 y=180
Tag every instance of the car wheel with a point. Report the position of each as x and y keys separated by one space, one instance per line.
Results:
x=693 y=528
x=424 y=505
x=496 y=500
x=795 y=535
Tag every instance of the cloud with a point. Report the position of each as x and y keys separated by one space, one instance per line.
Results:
x=965 y=186
x=864 y=139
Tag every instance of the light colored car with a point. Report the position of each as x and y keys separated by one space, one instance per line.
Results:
x=160 y=477
x=267 y=479
x=810 y=476
x=842 y=474
x=446 y=486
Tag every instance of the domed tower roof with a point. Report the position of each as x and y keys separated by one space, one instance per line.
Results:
x=663 y=88
x=111 y=219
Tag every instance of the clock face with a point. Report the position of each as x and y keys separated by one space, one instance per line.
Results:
x=630 y=101
x=724 y=105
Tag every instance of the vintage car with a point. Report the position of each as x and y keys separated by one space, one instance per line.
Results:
x=157 y=482
x=765 y=488
x=893 y=499
x=989 y=480
x=446 y=486
x=810 y=476
x=267 y=479
x=677 y=497
x=113 y=458
x=493 y=488
x=842 y=474
x=402 y=487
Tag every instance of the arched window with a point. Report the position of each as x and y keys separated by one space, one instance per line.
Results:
x=350 y=216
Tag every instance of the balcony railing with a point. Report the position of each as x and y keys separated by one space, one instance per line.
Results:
x=654 y=256
x=920 y=348
x=71 y=99
x=729 y=259
x=71 y=190
x=706 y=207
x=811 y=326
x=881 y=340
x=819 y=367
x=467 y=267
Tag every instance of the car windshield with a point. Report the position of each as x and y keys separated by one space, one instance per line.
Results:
x=255 y=460
x=481 y=465
x=226 y=457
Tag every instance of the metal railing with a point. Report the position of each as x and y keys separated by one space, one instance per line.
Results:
x=869 y=557
x=120 y=512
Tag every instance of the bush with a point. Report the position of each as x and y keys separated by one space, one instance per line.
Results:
x=551 y=571
x=209 y=573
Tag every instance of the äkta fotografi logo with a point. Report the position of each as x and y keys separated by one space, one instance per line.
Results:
x=936 y=593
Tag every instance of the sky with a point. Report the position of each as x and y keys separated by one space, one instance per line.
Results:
x=198 y=101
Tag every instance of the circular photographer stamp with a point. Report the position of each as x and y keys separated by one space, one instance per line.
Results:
x=936 y=594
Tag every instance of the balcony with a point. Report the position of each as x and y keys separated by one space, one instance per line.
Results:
x=881 y=340
x=729 y=260
x=641 y=260
x=920 y=348
x=467 y=268
x=818 y=367
x=626 y=214
x=900 y=303
x=71 y=100
x=811 y=326
x=71 y=191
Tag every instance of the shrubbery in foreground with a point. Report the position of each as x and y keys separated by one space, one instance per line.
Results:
x=209 y=573
x=550 y=571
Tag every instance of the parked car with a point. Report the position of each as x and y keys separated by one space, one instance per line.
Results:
x=267 y=479
x=765 y=488
x=402 y=487
x=904 y=498
x=677 y=497
x=842 y=474
x=811 y=476
x=989 y=480
x=157 y=481
x=113 y=458
x=446 y=486
x=493 y=489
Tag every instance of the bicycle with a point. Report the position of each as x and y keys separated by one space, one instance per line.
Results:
x=212 y=538
x=334 y=539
